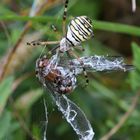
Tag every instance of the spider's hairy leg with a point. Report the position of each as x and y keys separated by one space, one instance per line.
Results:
x=86 y=76
x=80 y=48
x=42 y=43
x=56 y=31
x=64 y=17
x=55 y=49
x=71 y=53
x=53 y=27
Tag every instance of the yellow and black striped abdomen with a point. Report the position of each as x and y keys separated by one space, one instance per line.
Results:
x=79 y=30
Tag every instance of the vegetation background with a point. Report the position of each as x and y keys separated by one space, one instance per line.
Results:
x=110 y=102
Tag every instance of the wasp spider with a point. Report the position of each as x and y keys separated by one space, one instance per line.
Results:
x=78 y=31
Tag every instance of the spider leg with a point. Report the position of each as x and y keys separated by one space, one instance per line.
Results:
x=64 y=17
x=79 y=48
x=56 y=31
x=54 y=28
x=42 y=43
x=71 y=53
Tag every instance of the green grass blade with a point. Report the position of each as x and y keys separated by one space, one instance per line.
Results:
x=98 y=25
x=5 y=91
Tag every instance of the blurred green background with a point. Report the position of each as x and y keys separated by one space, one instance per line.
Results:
x=109 y=94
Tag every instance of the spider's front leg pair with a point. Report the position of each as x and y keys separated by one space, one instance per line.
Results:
x=36 y=43
x=42 y=43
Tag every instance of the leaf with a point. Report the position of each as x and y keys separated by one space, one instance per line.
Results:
x=5 y=120
x=135 y=75
x=8 y=126
x=5 y=91
x=136 y=55
x=135 y=80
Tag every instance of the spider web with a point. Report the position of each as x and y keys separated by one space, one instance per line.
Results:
x=97 y=63
x=71 y=112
